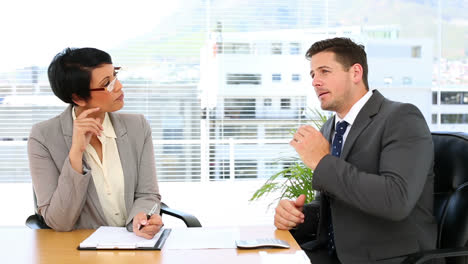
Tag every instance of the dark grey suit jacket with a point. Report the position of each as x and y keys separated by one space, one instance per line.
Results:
x=67 y=199
x=381 y=188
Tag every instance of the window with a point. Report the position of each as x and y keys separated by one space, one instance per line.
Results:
x=233 y=48
x=184 y=58
x=276 y=77
x=240 y=131
x=434 y=118
x=239 y=108
x=219 y=169
x=416 y=52
x=388 y=80
x=276 y=48
x=285 y=103
x=434 y=98
x=295 y=77
x=245 y=169
x=407 y=80
x=451 y=97
x=454 y=118
x=294 y=48
x=278 y=131
x=243 y=79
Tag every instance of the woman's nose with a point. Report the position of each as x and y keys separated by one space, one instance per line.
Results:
x=118 y=85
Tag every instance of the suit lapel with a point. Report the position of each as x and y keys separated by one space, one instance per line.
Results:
x=328 y=129
x=363 y=119
x=66 y=121
x=125 y=155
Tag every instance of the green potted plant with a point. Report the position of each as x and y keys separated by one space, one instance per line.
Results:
x=294 y=180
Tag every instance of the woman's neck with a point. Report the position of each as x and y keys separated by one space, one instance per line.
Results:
x=98 y=114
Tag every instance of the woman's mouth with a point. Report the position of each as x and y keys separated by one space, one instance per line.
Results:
x=121 y=97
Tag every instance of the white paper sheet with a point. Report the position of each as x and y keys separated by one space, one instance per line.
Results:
x=117 y=237
x=299 y=257
x=197 y=238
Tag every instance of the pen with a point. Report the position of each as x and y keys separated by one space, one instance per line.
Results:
x=150 y=213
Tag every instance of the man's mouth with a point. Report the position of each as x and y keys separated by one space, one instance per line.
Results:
x=322 y=93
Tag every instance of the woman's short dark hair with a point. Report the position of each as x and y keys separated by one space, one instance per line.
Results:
x=70 y=72
x=347 y=53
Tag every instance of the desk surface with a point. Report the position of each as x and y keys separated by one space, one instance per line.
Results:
x=23 y=245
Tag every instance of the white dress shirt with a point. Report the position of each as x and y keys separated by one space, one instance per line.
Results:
x=108 y=175
x=352 y=114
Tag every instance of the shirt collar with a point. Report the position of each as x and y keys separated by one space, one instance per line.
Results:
x=355 y=109
x=107 y=125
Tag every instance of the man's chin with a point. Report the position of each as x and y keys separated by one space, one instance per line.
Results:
x=325 y=106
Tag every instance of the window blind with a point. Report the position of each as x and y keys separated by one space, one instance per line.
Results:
x=222 y=83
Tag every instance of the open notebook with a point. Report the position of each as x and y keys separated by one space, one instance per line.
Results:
x=109 y=237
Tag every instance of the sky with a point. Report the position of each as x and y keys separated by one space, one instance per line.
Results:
x=32 y=31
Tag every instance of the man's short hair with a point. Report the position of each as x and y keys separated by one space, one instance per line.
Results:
x=347 y=53
x=70 y=72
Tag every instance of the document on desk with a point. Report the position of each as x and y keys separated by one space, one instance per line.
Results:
x=202 y=238
x=299 y=257
x=110 y=237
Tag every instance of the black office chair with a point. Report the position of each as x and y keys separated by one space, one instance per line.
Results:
x=36 y=221
x=450 y=199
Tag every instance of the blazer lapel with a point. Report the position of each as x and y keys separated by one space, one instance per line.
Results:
x=66 y=121
x=328 y=129
x=126 y=159
x=363 y=119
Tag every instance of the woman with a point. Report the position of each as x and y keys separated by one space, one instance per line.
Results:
x=92 y=167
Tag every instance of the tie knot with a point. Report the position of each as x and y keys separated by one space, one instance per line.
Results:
x=341 y=127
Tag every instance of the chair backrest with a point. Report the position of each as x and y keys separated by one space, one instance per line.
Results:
x=451 y=188
x=36 y=221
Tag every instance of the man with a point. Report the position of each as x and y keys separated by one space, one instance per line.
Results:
x=376 y=179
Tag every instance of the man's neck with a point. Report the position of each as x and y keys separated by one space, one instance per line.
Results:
x=343 y=112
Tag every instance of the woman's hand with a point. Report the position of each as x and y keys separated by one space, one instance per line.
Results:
x=84 y=128
x=149 y=227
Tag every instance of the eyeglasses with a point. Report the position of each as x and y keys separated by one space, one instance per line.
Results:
x=111 y=85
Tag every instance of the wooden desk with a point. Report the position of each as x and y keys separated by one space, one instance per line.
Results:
x=24 y=245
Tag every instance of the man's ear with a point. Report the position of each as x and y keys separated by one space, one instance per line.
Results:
x=356 y=72
x=78 y=100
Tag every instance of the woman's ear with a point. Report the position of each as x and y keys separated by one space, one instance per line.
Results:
x=78 y=100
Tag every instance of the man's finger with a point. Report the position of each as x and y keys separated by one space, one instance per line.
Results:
x=286 y=222
x=300 y=200
x=290 y=208
x=288 y=217
x=309 y=129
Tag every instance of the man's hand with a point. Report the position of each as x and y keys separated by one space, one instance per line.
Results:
x=311 y=146
x=289 y=213
x=150 y=227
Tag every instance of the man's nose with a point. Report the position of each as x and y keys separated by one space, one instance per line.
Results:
x=316 y=82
